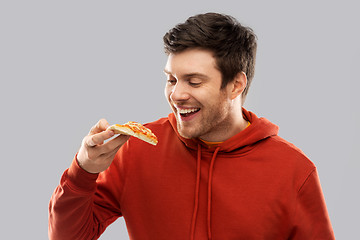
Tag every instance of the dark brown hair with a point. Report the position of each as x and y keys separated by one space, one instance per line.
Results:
x=233 y=45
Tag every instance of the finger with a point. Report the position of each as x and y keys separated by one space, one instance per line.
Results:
x=112 y=153
x=114 y=143
x=98 y=138
x=100 y=126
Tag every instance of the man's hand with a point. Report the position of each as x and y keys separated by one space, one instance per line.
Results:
x=96 y=156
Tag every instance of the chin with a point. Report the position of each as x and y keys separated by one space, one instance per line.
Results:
x=186 y=134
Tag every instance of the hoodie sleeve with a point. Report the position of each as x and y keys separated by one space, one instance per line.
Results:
x=77 y=209
x=311 y=217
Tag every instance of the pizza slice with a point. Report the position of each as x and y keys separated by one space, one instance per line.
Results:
x=135 y=129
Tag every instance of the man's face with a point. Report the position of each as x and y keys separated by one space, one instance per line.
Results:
x=193 y=91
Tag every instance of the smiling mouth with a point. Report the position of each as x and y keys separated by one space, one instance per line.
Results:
x=187 y=112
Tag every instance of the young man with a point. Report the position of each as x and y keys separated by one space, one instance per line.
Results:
x=218 y=171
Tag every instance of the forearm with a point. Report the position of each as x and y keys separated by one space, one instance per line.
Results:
x=78 y=208
x=71 y=209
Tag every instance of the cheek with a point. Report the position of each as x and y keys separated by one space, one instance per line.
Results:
x=167 y=92
x=216 y=101
x=209 y=96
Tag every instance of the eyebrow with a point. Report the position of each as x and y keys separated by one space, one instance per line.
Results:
x=190 y=75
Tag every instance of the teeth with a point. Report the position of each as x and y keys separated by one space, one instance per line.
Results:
x=188 y=110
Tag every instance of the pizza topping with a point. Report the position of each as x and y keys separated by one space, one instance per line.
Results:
x=137 y=130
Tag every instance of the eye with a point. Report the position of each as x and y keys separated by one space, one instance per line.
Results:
x=171 y=81
x=194 y=83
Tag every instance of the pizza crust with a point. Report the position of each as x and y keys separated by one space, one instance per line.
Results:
x=135 y=129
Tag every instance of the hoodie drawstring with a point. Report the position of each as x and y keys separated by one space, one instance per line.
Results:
x=197 y=187
x=211 y=168
x=197 y=191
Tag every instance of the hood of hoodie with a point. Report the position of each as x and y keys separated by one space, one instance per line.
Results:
x=259 y=129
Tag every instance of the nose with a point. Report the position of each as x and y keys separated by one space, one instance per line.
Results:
x=179 y=92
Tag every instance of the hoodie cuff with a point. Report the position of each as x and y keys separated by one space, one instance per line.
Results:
x=79 y=179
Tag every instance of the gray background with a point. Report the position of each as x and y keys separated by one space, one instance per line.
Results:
x=65 y=64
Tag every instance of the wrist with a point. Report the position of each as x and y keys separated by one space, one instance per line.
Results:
x=80 y=179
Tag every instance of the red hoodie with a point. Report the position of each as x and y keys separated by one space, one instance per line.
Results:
x=254 y=185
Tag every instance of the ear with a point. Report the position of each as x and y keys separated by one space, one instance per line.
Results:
x=238 y=85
